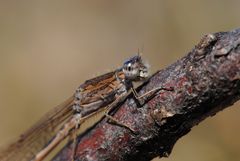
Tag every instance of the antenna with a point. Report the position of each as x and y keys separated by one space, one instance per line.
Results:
x=138 y=52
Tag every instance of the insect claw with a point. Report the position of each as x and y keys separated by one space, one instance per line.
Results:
x=115 y=121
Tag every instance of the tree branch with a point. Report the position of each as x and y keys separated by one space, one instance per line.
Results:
x=205 y=81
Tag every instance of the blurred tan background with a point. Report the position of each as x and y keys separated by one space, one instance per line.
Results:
x=47 y=48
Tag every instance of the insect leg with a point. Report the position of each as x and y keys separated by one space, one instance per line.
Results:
x=78 y=117
x=61 y=135
x=140 y=97
x=112 y=119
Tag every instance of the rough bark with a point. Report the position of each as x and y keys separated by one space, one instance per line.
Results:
x=205 y=81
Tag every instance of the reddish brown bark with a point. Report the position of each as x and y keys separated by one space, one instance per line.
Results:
x=205 y=81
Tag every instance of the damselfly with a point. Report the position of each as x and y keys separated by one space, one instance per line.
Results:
x=95 y=95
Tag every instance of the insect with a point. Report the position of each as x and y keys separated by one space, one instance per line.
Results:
x=94 y=95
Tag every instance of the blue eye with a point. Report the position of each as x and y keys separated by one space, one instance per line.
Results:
x=127 y=62
x=132 y=60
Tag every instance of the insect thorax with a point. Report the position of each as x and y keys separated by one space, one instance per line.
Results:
x=100 y=91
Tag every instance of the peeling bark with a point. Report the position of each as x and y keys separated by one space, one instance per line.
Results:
x=205 y=81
